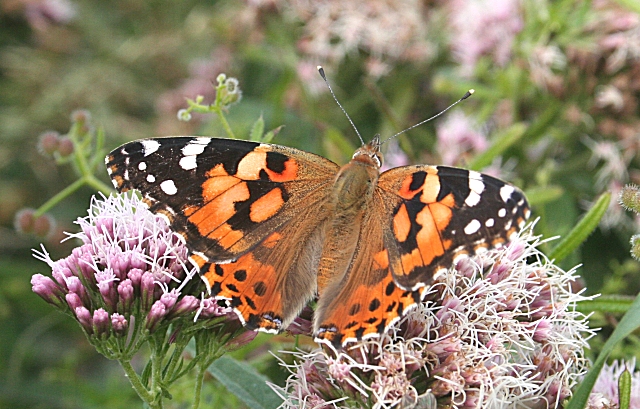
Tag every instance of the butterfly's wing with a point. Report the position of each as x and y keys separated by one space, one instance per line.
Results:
x=442 y=213
x=366 y=300
x=421 y=219
x=244 y=209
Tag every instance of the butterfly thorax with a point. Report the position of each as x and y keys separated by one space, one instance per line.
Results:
x=351 y=195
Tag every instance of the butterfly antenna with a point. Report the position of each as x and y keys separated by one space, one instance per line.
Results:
x=321 y=71
x=465 y=96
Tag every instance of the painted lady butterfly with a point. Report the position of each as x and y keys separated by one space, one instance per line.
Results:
x=271 y=227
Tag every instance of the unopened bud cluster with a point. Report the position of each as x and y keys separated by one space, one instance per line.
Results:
x=630 y=200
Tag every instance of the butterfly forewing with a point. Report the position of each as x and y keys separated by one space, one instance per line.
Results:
x=223 y=196
x=442 y=213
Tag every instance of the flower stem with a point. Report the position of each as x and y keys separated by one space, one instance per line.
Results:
x=202 y=370
x=224 y=122
x=137 y=385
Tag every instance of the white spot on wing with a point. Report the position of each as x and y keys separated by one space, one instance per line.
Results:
x=473 y=226
x=169 y=187
x=473 y=199
x=188 y=163
x=475 y=181
x=151 y=178
x=191 y=151
x=150 y=146
x=195 y=147
x=505 y=192
x=142 y=166
x=490 y=222
x=502 y=212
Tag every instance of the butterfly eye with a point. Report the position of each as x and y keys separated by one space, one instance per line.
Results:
x=377 y=156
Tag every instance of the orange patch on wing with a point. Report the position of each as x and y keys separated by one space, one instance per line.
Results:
x=266 y=206
x=381 y=260
x=251 y=164
x=441 y=215
x=405 y=190
x=289 y=173
x=255 y=290
x=217 y=211
x=430 y=188
x=353 y=321
x=199 y=261
x=401 y=224
x=226 y=236
x=215 y=186
x=429 y=242
x=118 y=179
x=217 y=170
x=412 y=260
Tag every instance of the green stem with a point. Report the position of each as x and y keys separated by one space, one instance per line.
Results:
x=58 y=197
x=97 y=184
x=137 y=385
x=202 y=370
x=156 y=371
x=88 y=179
x=224 y=122
x=176 y=356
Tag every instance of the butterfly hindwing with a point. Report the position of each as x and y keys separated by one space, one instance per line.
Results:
x=442 y=213
x=366 y=301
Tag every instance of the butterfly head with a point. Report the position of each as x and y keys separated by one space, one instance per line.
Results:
x=370 y=153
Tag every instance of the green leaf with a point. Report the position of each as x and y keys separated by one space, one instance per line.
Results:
x=629 y=323
x=624 y=389
x=540 y=195
x=501 y=143
x=257 y=130
x=245 y=382
x=271 y=134
x=611 y=304
x=582 y=230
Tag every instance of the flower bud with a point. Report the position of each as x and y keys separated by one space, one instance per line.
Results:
x=119 y=324
x=157 y=313
x=48 y=290
x=101 y=323
x=84 y=318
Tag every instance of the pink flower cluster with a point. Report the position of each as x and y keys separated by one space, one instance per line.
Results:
x=496 y=329
x=130 y=270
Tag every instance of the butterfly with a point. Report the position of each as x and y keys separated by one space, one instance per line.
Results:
x=271 y=227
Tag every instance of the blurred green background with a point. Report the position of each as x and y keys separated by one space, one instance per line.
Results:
x=555 y=112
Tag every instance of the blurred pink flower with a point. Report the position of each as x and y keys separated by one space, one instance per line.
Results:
x=483 y=27
x=459 y=138
x=388 y=31
x=42 y=13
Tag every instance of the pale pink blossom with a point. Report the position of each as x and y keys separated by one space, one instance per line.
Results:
x=483 y=27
